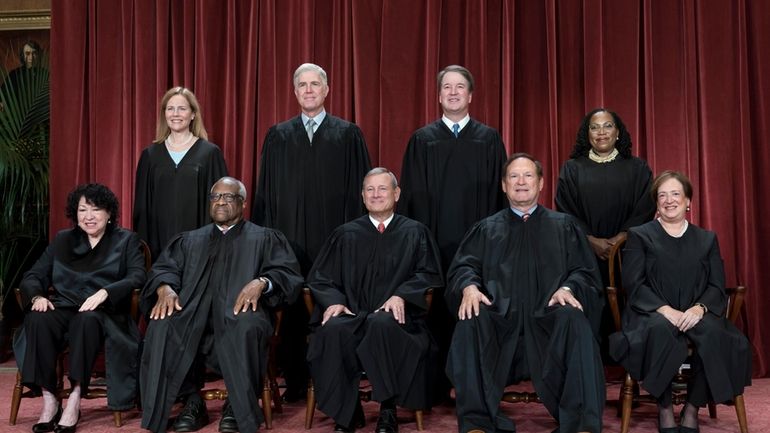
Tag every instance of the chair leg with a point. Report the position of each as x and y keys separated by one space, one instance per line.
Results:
x=418 y=415
x=118 y=417
x=740 y=412
x=310 y=407
x=712 y=409
x=267 y=404
x=627 y=399
x=15 y=400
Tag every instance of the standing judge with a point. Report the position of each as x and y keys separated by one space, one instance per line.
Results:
x=175 y=173
x=525 y=287
x=209 y=298
x=449 y=179
x=310 y=177
x=674 y=275
x=370 y=281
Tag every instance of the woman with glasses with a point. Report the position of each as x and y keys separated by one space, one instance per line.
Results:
x=175 y=173
x=79 y=294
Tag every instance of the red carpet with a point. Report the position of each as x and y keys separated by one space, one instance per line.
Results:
x=530 y=418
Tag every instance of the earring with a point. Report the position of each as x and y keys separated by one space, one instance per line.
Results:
x=688 y=208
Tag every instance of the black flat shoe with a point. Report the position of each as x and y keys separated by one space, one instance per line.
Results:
x=228 y=423
x=668 y=429
x=683 y=429
x=67 y=428
x=193 y=416
x=45 y=427
x=387 y=422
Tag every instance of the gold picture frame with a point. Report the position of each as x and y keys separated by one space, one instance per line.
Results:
x=25 y=20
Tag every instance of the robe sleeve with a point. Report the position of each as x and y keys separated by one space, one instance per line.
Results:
x=359 y=164
x=641 y=295
x=415 y=197
x=425 y=274
x=280 y=266
x=217 y=169
x=497 y=160
x=135 y=274
x=567 y=195
x=582 y=274
x=37 y=279
x=141 y=215
x=262 y=199
x=325 y=278
x=644 y=209
x=166 y=270
x=466 y=267
x=714 y=296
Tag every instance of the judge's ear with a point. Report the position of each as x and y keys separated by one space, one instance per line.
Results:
x=397 y=193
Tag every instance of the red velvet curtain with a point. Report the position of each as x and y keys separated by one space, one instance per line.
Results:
x=688 y=77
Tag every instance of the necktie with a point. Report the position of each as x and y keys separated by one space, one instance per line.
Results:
x=309 y=128
x=456 y=129
x=381 y=227
x=525 y=217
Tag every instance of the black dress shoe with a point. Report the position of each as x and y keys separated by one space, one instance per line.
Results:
x=194 y=415
x=44 y=427
x=67 y=428
x=387 y=422
x=339 y=428
x=228 y=423
x=683 y=429
x=358 y=421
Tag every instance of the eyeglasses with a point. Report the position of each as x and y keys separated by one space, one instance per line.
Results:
x=596 y=126
x=229 y=197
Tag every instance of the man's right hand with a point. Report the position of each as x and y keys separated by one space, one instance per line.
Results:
x=168 y=302
x=334 y=311
x=472 y=297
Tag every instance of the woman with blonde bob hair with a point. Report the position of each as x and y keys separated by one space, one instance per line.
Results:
x=175 y=172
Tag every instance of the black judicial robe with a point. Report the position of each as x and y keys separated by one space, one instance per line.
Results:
x=208 y=270
x=519 y=265
x=606 y=198
x=659 y=269
x=77 y=271
x=305 y=190
x=450 y=183
x=170 y=199
x=361 y=269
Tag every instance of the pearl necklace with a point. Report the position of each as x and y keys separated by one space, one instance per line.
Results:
x=595 y=157
x=181 y=145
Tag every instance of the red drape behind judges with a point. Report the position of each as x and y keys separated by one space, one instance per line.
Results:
x=689 y=78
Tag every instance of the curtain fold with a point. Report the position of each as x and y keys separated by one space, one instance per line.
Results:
x=689 y=78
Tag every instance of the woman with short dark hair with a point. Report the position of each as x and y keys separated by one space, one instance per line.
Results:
x=91 y=271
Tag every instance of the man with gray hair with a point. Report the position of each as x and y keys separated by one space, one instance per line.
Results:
x=310 y=175
x=209 y=298
x=369 y=283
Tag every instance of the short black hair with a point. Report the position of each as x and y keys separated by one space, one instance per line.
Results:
x=583 y=145
x=32 y=44
x=95 y=194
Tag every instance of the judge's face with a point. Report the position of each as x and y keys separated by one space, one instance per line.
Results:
x=454 y=96
x=30 y=56
x=521 y=184
x=92 y=219
x=179 y=114
x=672 y=202
x=224 y=212
x=602 y=133
x=379 y=195
x=311 y=92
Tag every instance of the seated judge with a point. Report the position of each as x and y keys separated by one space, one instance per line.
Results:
x=93 y=269
x=527 y=294
x=674 y=276
x=369 y=282
x=209 y=297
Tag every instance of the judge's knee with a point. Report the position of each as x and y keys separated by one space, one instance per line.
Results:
x=381 y=321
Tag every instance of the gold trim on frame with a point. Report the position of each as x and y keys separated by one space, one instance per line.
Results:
x=25 y=20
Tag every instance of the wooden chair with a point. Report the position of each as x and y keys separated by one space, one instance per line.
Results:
x=629 y=391
x=364 y=394
x=270 y=387
x=94 y=390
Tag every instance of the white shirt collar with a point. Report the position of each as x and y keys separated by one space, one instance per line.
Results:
x=386 y=222
x=464 y=121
